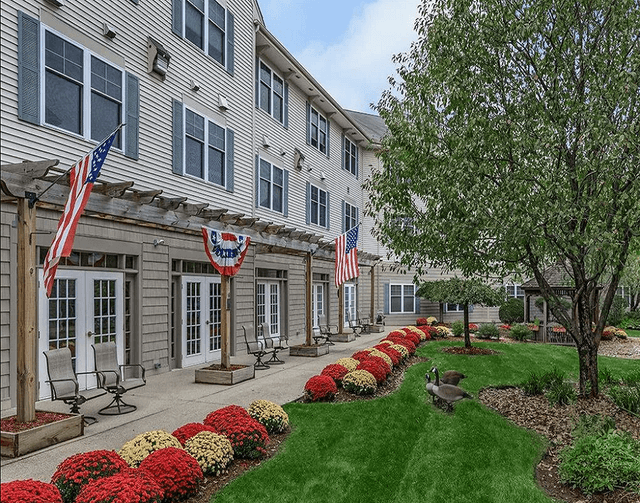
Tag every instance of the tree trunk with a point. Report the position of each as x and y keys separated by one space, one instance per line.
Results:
x=588 y=355
x=467 y=337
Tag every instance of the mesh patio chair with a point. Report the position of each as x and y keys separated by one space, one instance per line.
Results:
x=111 y=378
x=364 y=322
x=64 y=381
x=354 y=325
x=326 y=331
x=274 y=345
x=257 y=349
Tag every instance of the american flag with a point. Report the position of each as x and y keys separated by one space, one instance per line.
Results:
x=347 y=256
x=83 y=174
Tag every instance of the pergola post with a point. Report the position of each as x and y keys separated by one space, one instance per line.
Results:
x=340 y=309
x=309 y=294
x=27 y=340
x=373 y=294
x=225 y=357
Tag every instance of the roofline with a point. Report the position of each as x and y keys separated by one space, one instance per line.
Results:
x=285 y=52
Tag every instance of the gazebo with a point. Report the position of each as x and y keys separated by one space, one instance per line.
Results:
x=562 y=285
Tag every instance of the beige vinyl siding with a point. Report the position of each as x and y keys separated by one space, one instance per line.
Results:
x=7 y=311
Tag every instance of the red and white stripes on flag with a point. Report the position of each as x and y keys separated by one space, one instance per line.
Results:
x=347 y=256
x=82 y=177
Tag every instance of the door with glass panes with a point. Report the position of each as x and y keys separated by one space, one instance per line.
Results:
x=268 y=305
x=201 y=319
x=84 y=308
x=349 y=302
x=317 y=303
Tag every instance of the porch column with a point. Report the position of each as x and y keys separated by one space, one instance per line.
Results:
x=307 y=307
x=27 y=296
x=373 y=296
x=340 y=309
x=225 y=359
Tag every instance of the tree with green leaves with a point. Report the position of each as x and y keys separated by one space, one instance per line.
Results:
x=631 y=280
x=514 y=144
x=461 y=291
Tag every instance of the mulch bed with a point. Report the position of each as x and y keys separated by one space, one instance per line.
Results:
x=472 y=351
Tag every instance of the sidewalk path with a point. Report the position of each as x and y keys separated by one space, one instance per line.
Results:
x=172 y=399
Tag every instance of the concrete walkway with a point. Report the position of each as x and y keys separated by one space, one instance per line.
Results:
x=172 y=399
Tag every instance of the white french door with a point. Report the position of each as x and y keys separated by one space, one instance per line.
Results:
x=85 y=308
x=268 y=305
x=318 y=300
x=201 y=320
x=349 y=302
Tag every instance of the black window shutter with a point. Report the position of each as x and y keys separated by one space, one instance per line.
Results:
x=257 y=180
x=132 y=127
x=328 y=135
x=178 y=138
x=308 y=123
x=308 y=204
x=357 y=161
x=28 y=68
x=230 y=42
x=257 y=83
x=343 y=211
x=286 y=105
x=285 y=196
x=328 y=213
x=229 y=164
x=385 y=289
x=176 y=18
x=343 y=155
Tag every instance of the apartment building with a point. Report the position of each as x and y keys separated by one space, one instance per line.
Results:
x=223 y=128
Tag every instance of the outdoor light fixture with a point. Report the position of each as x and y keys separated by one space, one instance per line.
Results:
x=158 y=242
x=298 y=158
x=158 y=58
x=108 y=31
x=223 y=104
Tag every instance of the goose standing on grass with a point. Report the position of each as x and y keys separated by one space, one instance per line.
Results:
x=452 y=377
x=448 y=392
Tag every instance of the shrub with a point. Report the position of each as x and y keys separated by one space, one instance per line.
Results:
x=377 y=369
x=29 y=491
x=443 y=331
x=374 y=352
x=422 y=321
x=519 y=332
x=429 y=332
x=359 y=382
x=176 y=471
x=189 y=430
x=561 y=393
x=488 y=330
x=473 y=327
x=602 y=462
x=617 y=311
x=631 y=319
x=404 y=352
x=411 y=335
x=411 y=347
x=77 y=470
x=553 y=376
x=349 y=363
x=626 y=397
x=320 y=388
x=138 y=448
x=128 y=486
x=533 y=385
x=213 y=452
x=361 y=356
x=271 y=415
x=335 y=372
x=512 y=311
x=247 y=436
x=605 y=376
x=457 y=327
x=390 y=352
x=593 y=424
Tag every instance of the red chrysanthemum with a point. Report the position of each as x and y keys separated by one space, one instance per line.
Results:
x=320 y=387
x=336 y=372
x=189 y=430
x=225 y=413
x=29 y=491
x=247 y=436
x=375 y=368
x=395 y=356
x=176 y=471
x=129 y=486
x=361 y=355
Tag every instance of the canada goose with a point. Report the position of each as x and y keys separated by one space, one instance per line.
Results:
x=448 y=392
x=430 y=386
x=452 y=377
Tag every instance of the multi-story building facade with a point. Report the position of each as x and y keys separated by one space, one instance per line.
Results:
x=224 y=128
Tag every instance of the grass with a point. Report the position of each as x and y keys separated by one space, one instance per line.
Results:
x=633 y=333
x=401 y=449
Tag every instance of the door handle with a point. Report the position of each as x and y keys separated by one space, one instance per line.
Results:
x=90 y=333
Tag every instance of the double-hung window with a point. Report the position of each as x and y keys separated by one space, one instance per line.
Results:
x=514 y=291
x=83 y=93
x=318 y=210
x=350 y=156
x=317 y=130
x=208 y=25
x=272 y=186
x=272 y=93
x=204 y=148
x=350 y=216
x=402 y=298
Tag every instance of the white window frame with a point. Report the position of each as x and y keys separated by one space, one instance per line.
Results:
x=268 y=308
x=271 y=185
x=316 y=214
x=350 y=156
x=403 y=296
x=518 y=292
x=87 y=54
x=319 y=144
x=272 y=92
x=350 y=216
x=205 y=158
x=205 y=33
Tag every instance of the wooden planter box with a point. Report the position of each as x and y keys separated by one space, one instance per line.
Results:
x=234 y=375
x=22 y=442
x=346 y=337
x=312 y=351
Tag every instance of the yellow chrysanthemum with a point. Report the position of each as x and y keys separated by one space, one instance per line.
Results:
x=212 y=451
x=139 y=447
x=359 y=382
x=270 y=415
x=349 y=363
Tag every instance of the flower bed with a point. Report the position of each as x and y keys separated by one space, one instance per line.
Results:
x=349 y=363
x=319 y=388
x=189 y=430
x=378 y=369
x=270 y=415
x=128 y=486
x=213 y=452
x=360 y=382
x=139 y=447
x=29 y=491
x=78 y=470
x=247 y=436
x=336 y=372
x=12 y=425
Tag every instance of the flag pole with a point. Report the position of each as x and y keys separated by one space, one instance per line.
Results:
x=34 y=198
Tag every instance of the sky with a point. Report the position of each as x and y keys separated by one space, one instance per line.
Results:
x=346 y=45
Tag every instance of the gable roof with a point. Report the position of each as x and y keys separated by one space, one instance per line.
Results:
x=372 y=124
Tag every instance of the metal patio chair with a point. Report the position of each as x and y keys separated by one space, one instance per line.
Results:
x=354 y=325
x=364 y=322
x=274 y=345
x=326 y=331
x=64 y=381
x=111 y=378
x=257 y=349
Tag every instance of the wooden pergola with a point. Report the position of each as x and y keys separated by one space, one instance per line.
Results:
x=121 y=202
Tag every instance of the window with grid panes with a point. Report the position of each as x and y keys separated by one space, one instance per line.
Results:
x=318 y=130
x=350 y=156
x=271 y=91
x=204 y=25
x=402 y=298
x=350 y=216
x=204 y=148
x=271 y=186
x=318 y=206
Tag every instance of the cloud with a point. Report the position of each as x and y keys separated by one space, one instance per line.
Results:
x=354 y=70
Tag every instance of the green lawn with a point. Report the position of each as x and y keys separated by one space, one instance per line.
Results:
x=633 y=333
x=400 y=449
